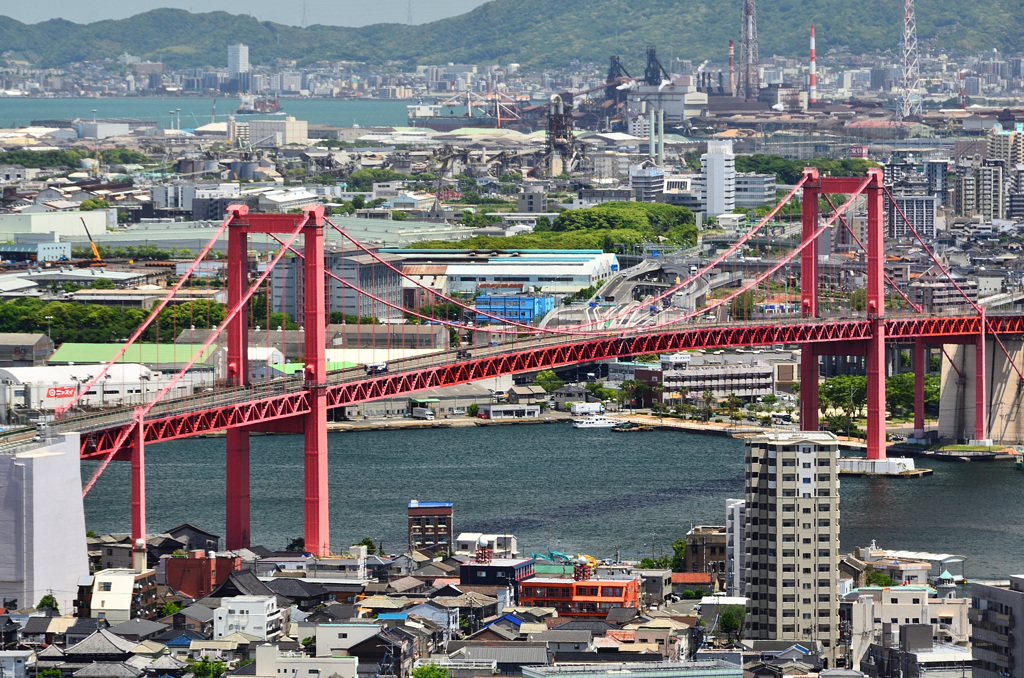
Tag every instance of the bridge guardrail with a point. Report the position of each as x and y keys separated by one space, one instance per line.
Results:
x=235 y=395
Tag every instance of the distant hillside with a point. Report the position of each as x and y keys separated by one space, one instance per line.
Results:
x=532 y=32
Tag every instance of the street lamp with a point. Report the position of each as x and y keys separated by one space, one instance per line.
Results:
x=48 y=319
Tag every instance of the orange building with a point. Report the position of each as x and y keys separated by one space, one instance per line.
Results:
x=584 y=598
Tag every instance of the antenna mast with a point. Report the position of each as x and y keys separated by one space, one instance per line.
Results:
x=750 y=81
x=910 y=100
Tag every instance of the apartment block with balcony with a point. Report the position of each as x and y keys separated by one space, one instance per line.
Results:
x=430 y=523
x=996 y=643
x=874 y=615
x=792 y=538
x=257 y=616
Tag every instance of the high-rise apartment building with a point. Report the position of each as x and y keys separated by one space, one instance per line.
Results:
x=995 y=643
x=718 y=178
x=735 y=531
x=792 y=537
x=979 y=189
x=238 y=60
x=919 y=210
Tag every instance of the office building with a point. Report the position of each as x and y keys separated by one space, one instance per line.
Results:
x=754 y=190
x=735 y=531
x=584 y=597
x=533 y=199
x=238 y=60
x=995 y=641
x=357 y=269
x=647 y=182
x=718 y=178
x=430 y=523
x=792 y=538
x=42 y=524
x=278 y=132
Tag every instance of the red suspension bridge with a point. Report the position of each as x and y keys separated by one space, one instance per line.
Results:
x=300 y=403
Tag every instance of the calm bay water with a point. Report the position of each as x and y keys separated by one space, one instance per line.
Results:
x=197 y=111
x=590 y=490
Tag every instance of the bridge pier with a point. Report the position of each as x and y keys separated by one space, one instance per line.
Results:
x=809 y=301
x=138 y=456
x=317 y=531
x=237 y=517
x=980 y=409
x=920 y=367
x=237 y=503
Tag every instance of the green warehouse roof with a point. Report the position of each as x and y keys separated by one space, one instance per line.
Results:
x=147 y=354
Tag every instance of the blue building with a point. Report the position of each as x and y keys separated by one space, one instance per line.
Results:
x=522 y=309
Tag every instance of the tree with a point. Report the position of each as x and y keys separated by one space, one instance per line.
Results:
x=730 y=619
x=709 y=399
x=90 y=204
x=472 y=410
x=206 y=668
x=431 y=671
x=371 y=548
x=296 y=545
x=48 y=602
x=677 y=562
x=873 y=577
x=170 y=607
x=742 y=306
x=548 y=380
x=50 y=673
x=769 y=399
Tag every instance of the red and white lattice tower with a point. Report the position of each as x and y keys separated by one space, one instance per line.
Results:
x=910 y=99
x=813 y=89
x=750 y=80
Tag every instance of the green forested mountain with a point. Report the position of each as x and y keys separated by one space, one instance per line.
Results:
x=532 y=32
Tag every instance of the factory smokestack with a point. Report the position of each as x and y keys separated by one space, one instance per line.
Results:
x=732 y=69
x=814 y=72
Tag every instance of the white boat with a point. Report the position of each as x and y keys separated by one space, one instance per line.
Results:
x=594 y=422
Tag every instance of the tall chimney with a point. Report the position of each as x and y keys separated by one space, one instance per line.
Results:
x=814 y=72
x=139 y=556
x=732 y=69
x=661 y=137
x=650 y=135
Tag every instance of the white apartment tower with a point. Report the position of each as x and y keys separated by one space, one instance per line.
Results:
x=238 y=60
x=735 y=547
x=792 y=537
x=718 y=178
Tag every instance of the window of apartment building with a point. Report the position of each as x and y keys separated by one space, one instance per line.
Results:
x=789 y=462
x=788 y=538
x=823 y=582
x=789 y=523
x=104 y=586
x=788 y=477
x=823 y=597
x=823 y=537
x=788 y=583
x=824 y=613
x=823 y=567
x=788 y=628
x=788 y=553
x=789 y=493
x=789 y=613
x=824 y=522
x=788 y=508
x=824 y=628
x=824 y=477
x=822 y=507
x=806 y=464
x=788 y=568
x=824 y=553
x=824 y=462
x=789 y=599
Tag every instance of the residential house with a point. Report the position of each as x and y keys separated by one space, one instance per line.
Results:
x=257 y=616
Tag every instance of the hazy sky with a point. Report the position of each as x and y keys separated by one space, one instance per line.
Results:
x=333 y=12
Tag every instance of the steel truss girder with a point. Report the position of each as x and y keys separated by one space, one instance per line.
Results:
x=282 y=407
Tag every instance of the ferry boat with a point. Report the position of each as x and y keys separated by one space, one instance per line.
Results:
x=251 y=105
x=594 y=422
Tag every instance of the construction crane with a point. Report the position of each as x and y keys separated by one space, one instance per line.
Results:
x=97 y=260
